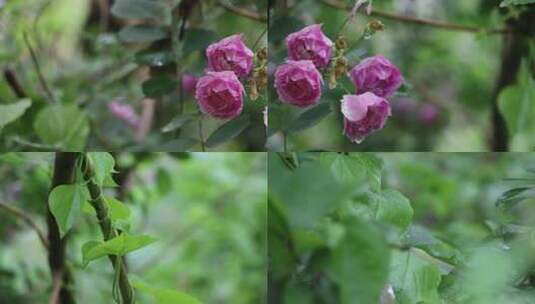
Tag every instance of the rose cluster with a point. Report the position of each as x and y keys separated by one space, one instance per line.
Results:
x=375 y=80
x=299 y=82
x=220 y=93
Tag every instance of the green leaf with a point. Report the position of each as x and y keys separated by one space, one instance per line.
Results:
x=179 y=121
x=359 y=264
x=489 y=273
x=139 y=9
x=309 y=118
x=361 y=169
x=197 y=39
x=159 y=85
x=303 y=194
x=228 y=131
x=279 y=118
x=11 y=112
x=515 y=2
x=142 y=34
x=65 y=203
x=512 y=197
x=119 y=246
x=298 y=293
x=164 y=181
x=179 y=144
x=393 y=207
x=164 y=295
x=517 y=105
x=416 y=276
x=154 y=58
x=103 y=164
x=117 y=209
x=344 y=167
x=282 y=26
x=64 y=125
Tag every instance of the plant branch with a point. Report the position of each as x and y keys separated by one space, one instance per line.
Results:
x=56 y=288
x=242 y=11
x=126 y=290
x=38 y=68
x=23 y=216
x=426 y=22
x=14 y=83
x=64 y=168
x=257 y=41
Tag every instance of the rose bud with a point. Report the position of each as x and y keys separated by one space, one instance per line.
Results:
x=364 y=114
x=298 y=83
x=378 y=75
x=189 y=82
x=220 y=94
x=230 y=54
x=310 y=43
x=124 y=112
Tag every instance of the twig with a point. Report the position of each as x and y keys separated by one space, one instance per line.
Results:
x=432 y=23
x=14 y=83
x=56 y=288
x=38 y=68
x=259 y=39
x=20 y=214
x=242 y=11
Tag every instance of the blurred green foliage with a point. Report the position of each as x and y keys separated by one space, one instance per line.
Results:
x=207 y=212
x=401 y=228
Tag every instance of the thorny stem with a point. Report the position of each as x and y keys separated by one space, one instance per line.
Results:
x=98 y=203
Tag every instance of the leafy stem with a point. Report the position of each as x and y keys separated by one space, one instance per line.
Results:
x=108 y=232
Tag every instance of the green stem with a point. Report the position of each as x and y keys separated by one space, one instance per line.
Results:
x=201 y=136
x=37 y=67
x=98 y=203
x=284 y=142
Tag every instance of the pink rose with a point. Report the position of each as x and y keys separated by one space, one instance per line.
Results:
x=189 y=82
x=230 y=54
x=310 y=43
x=298 y=83
x=124 y=112
x=364 y=114
x=220 y=94
x=378 y=75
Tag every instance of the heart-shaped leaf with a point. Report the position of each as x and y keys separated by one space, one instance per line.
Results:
x=65 y=203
